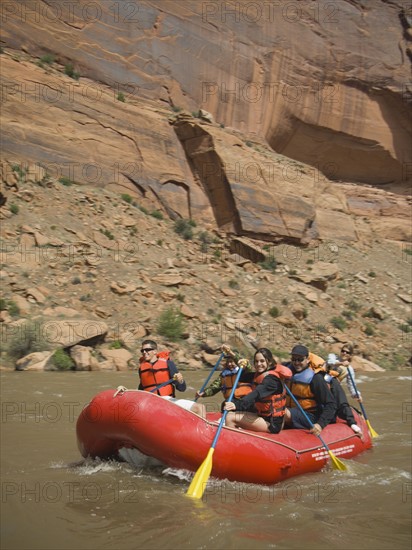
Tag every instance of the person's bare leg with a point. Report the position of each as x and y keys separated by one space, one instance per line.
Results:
x=247 y=421
x=199 y=409
x=288 y=418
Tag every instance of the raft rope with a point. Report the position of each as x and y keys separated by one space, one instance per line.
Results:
x=122 y=389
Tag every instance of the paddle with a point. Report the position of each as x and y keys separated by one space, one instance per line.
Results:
x=210 y=376
x=198 y=484
x=161 y=385
x=337 y=464
x=371 y=430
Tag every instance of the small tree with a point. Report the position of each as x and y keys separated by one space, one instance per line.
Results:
x=171 y=324
x=28 y=339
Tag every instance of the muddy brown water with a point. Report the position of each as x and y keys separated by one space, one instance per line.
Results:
x=52 y=499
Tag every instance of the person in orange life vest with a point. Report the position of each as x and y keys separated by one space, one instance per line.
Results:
x=268 y=397
x=224 y=382
x=156 y=368
x=311 y=390
x=332 y=378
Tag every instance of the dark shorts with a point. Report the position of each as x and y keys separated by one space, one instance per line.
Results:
x=275 y=425
x=299 y=421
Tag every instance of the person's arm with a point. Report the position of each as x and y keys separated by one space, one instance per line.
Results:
x=213 y=388
x=324 y=398
x=269 y=386
x=181 y=386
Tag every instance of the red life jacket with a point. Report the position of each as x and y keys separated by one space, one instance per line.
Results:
x=153 y=374
x=272 y=405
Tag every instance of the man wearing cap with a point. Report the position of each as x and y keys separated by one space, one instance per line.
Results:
x=312 y=392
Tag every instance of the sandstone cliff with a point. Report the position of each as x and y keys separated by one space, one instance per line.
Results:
x=311 y=102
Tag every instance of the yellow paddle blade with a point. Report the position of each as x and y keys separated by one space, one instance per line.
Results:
x=371 y=430
x=337 y=464
x=198 y=485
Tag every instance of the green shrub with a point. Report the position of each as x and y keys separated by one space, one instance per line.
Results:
x=285 y=301
x=369 y=330
x=121 y=97
x=116 y=345
x=233 y=284
x=184 y=229
x=127 y=198
x=76 y=280
x=347 y=314
x=157 y=214
x=176 y=109
x=338 y=322
x=48 y=59
x=67 y=182
x=3 y=304
x=205 y=237
x=171 y=324
x=269 y=264
x=144 y=210
x=107 y=233
x=28 y=339
x=274 y=311
x=21 y=172
x=62 y=360
x=353 y=305
x=14 y=209
x=69 y=71
x=13 y=309
x=372 y=274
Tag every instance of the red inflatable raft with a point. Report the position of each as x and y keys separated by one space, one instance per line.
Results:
x=181 y=439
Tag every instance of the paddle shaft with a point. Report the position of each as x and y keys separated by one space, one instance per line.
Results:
x=357 y=394
x=210 y=375
x=222 y=420
x=161 y=385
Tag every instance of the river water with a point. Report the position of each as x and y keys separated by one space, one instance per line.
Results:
x=51 y=498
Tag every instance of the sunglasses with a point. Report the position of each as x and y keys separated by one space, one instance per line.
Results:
x=345 y=351
x=297 y=359
x=146 y=350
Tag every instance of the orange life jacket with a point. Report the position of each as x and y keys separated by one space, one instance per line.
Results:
x=316 y=362
x=153 y=374
x=339 y=371
x=272 y=405
x=228 y=379
x=300 y=387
